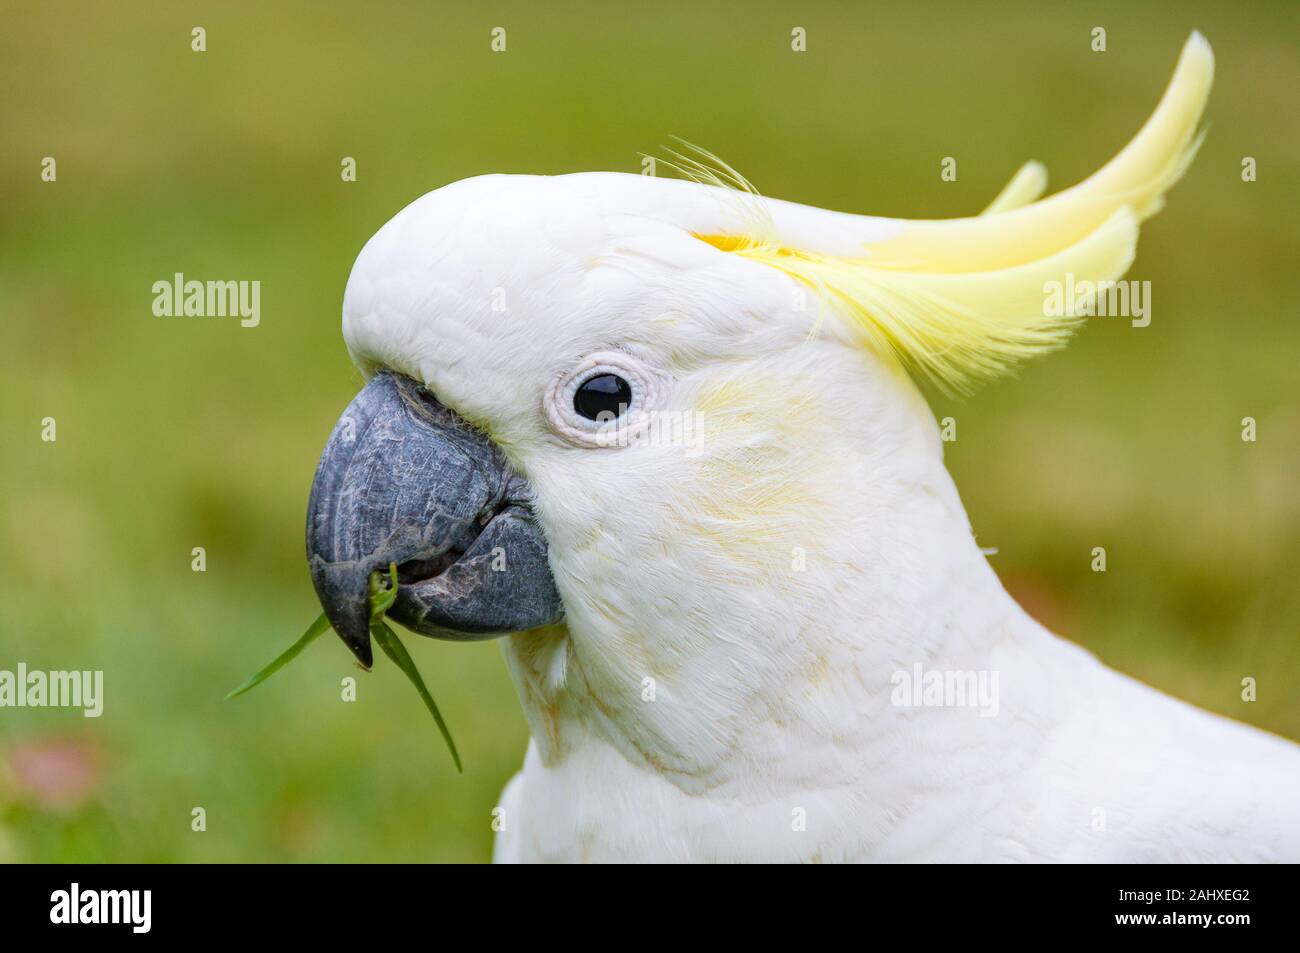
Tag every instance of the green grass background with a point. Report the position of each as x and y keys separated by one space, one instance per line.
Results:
x=175 y=433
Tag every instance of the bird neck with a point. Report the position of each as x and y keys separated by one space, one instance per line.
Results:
x=821 y=642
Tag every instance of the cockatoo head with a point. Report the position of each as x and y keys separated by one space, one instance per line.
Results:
x=663 y=432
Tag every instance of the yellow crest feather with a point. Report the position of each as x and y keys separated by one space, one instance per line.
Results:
x=964 y=300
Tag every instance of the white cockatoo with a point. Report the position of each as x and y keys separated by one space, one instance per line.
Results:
x=661 y=436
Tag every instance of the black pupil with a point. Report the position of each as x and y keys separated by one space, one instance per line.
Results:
x=606 y=394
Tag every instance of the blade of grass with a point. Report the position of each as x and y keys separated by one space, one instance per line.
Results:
x=381 y=599
x=395 y=650
x=313 y=632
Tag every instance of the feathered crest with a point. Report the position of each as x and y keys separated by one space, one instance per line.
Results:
x=965 y=300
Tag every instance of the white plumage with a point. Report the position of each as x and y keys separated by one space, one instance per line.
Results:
x=724 y=687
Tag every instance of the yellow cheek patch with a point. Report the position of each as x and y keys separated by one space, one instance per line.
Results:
x=764 y=483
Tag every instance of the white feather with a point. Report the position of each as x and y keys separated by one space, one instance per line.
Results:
x=723 y=686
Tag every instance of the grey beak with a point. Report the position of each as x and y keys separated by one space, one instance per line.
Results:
x=405 y=480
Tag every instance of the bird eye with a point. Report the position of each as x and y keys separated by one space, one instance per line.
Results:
x=602 y=397
x=605 y=386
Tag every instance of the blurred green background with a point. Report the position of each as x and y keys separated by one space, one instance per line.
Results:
x=175 y=432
